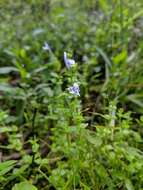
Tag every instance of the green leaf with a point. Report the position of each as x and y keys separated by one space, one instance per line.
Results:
x=97 y=141
x=130 y=20
x=104 y=56
x=24 y=186
x=21 y=69
x=6 y=166
x=129 y=184
x=104 y=5
x=136 y=99
x=121 y=57
x=6 y=70
x=6 y=88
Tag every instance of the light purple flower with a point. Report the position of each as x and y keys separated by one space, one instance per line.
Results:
x=68 y=62
x=46 y=46
x=74 y=89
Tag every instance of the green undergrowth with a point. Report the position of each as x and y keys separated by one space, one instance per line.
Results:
x=53 y=137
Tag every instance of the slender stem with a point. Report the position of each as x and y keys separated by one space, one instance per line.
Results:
x=33 y=134
x=43 y=174
x=33 y=123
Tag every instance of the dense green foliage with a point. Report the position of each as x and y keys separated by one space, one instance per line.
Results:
x=52 y=139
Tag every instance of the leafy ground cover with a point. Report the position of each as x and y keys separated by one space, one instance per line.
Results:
x=71 y=98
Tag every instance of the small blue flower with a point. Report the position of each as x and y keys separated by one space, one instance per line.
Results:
x=68 y=62
x=74 y=89
x=46 y=46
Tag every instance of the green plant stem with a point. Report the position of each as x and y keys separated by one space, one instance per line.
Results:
x=33 y=135
x=43 y=174
x=33 y=123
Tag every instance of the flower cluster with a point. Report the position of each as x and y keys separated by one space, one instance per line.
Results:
x=46 y=47
x=74 y=89
x=68 y=62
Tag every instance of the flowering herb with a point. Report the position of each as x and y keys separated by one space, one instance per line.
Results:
x=74 y=89
x=68 y=62
x=46 y=46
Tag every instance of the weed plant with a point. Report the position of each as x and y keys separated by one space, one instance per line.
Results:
x=71 y=109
